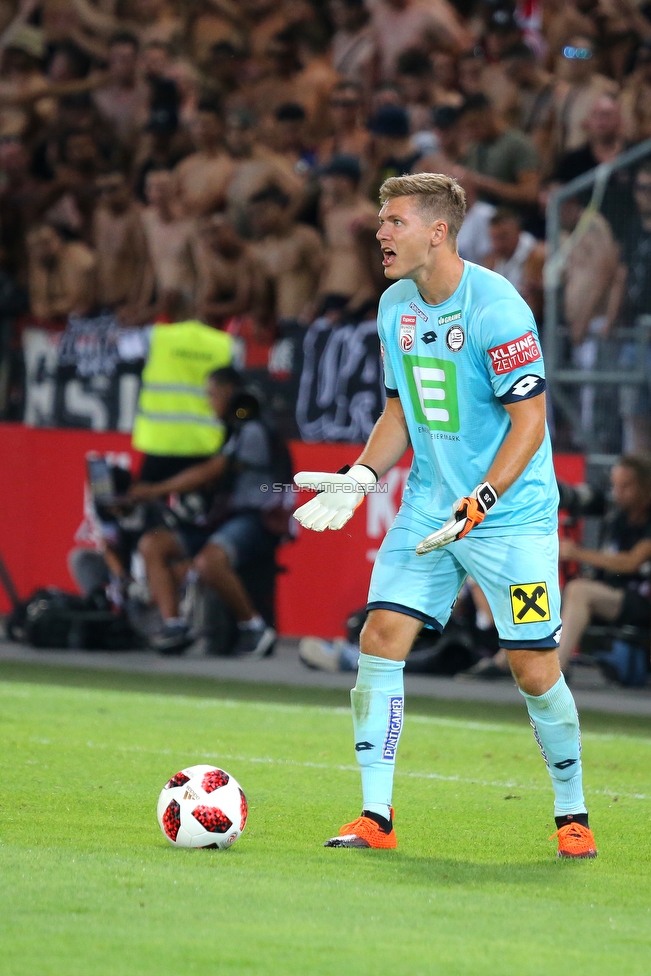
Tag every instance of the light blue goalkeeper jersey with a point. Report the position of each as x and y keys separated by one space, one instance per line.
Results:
x=454 y=367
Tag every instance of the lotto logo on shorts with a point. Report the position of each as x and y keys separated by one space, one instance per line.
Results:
x=511 y=355
x=530 y=603
x=394 y=728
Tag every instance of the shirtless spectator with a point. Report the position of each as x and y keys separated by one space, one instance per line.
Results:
x=62 y=277
x=349 y=137
x=227 y=273
x=501 y=162
x=288 y=139
x=256 y=167
x=289 y=253
x=593 y=282
x=119 y=244
x=169 y=232
x=345 y=211
x=148 y=20
x=400 y=24
x=580 y=87
x=317 y=78
x=17 y=197
x=478 y=77
x=69 y=199
x=123 y=102
x=204 y=176
x=279 y=84
x=513 y=249
x=353 y=47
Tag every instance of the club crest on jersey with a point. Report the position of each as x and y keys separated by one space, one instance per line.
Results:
x=407 y=336
x=419 y=312
x=511 y=355
x=455 y=339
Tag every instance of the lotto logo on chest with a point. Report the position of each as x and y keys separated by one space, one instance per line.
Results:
x=407 y=334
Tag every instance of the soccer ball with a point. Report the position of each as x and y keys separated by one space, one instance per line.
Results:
x=202 y=806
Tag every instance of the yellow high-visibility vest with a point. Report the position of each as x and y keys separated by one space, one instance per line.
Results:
x=174 y=416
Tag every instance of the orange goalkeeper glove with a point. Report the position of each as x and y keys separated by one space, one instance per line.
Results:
x=466 y=514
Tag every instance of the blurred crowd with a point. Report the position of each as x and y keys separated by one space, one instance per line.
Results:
x=167 y=160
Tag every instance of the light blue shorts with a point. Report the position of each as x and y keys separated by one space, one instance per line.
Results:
x=517 y=573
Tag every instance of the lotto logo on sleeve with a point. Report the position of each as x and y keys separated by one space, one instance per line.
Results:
x=511 y=355
x=530 y=603
x=407 y=336
x=394 y=727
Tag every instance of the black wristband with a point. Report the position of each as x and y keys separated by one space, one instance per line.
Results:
x=369 y=468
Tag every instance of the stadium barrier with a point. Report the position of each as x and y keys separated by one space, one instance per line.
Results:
x=42 y=510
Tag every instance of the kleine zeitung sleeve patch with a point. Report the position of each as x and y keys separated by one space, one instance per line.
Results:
x=512 y=355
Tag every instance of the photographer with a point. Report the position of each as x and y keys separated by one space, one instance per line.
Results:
x=242 y=523
x=619 y=591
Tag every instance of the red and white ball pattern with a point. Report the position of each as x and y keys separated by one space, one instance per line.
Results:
x=202 y=806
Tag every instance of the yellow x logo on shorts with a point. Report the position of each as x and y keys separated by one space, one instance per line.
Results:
x=529 y=603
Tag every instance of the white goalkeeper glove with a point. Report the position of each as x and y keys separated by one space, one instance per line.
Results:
x=339 y=495
x=466 y=514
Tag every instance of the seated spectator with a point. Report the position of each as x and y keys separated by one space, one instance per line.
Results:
x=168 y=233
x=344 y=211
x=513 y=248
x=290 y=254
x=605 y=141
x=62 y=276
x=119 y=242
x=619 y=592
x=203 y=177
x=349 y=137
x=123 y=101
x=501 y=163
x=240 y=528
x=579 y=89
x=353 y=48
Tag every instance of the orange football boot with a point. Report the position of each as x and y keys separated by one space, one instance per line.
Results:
x=575 y=840
x=364 y=832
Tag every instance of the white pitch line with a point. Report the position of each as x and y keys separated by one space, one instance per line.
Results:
x=10 y=690
x=270 y=761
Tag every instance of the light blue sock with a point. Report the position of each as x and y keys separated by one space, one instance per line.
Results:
x=378 y=705
x=555 y=725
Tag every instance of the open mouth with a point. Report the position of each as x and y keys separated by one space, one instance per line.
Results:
x=388 y=256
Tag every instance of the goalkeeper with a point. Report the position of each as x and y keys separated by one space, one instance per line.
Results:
x=465 y=387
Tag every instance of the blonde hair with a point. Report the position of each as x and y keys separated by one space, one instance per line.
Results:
x=439 y=197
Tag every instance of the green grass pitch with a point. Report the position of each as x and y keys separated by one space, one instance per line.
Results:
x=89 y=886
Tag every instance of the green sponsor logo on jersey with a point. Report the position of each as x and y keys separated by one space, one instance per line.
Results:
x=433 y=390
x=450 y=317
